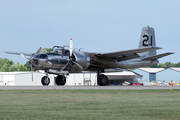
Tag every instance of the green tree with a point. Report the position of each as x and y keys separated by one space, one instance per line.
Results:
x=7 y=65
x=46 y=50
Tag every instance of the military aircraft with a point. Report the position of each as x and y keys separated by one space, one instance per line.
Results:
x=62 y=61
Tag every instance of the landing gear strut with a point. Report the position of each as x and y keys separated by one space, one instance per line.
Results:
x=45 y=80
x=102 y=80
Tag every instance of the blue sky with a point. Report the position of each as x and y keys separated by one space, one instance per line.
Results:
x=95 y=25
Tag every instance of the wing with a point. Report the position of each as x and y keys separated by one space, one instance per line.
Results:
x=18 y=53
x=155 y=57
x=127 y=54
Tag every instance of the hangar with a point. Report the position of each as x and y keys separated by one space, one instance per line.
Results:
x=22 y=78
x=85 y=78
x=169 y=74
x=149 y=74
x=159 y=74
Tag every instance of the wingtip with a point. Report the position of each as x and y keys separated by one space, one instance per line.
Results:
x=157 y=47
x=171 y=52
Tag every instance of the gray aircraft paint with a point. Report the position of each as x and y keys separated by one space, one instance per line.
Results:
x=147 y=39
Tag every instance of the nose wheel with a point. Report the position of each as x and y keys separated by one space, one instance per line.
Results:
x=45 y=80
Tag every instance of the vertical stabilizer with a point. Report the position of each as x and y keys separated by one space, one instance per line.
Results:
x=147 y=39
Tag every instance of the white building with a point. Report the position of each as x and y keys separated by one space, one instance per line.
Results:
x=23 y=78
x=85 y=78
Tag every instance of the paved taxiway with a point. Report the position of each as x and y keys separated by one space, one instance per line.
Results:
x=85 y=87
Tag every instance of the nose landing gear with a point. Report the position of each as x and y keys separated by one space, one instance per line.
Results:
x=60 y=79
x=45 y=80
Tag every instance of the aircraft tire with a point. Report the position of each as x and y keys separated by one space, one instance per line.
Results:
x=102 y=80
x=60 y=80
x=45 y=81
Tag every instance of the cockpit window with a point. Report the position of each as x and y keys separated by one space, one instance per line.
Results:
x=63 y=52
x=36 y=56
x=43 y=56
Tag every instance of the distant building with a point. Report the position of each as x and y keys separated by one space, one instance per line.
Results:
x=168 y=75
x=22 y=78
x=159 y=74
x=149 y=74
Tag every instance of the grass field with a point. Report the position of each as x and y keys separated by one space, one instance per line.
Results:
x=89 y=104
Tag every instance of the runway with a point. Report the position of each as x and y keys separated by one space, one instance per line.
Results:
x=85 y=87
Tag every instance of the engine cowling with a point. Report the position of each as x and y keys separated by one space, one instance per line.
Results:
x=82 y=58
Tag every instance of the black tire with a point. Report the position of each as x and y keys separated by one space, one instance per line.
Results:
x=102 y=80
x=60 y=80
x=45 y=81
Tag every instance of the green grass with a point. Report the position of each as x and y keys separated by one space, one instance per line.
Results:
x=89 y=104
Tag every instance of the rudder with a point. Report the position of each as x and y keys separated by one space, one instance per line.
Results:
x=147 y=39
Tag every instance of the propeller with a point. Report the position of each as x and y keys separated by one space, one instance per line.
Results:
x=26 y=58
x=71 y=47
x=23 y=56
x=71 y=57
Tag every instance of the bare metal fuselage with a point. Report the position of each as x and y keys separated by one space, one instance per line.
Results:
x=89 y=62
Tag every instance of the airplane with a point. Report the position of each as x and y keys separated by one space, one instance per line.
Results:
x=62 y=61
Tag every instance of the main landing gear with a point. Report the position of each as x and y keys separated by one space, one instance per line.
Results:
x=102 y=80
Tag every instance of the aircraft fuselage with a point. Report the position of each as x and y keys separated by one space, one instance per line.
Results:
x=89 y=62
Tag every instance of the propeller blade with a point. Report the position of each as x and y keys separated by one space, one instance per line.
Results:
x=23 y=56
x=39 y=50
x=64 y=66
x=71 y=47
x=50 y=63
x=31 y=72
x=78 y=65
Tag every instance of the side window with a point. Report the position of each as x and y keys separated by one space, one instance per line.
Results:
x=43 y=56
x=66 y=53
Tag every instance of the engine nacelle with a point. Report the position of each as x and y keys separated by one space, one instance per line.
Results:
x=82 y=58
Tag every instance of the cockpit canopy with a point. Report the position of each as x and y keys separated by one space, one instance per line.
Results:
x=63 y=52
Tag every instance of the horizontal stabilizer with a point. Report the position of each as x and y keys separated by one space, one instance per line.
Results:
x=155 y=57
x=18 y=53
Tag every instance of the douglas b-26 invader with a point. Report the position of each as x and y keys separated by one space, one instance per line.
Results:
x=62 y=61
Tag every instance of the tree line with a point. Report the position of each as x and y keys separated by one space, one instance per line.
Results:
x=165 y=65
x=7 y=65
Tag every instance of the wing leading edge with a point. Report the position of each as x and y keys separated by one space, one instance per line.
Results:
x=18 y=53
x=127 y=54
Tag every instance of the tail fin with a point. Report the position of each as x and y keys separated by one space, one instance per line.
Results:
x=147 y=39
